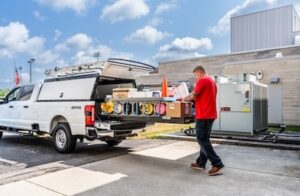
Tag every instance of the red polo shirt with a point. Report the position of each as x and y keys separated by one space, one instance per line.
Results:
x=205 y=98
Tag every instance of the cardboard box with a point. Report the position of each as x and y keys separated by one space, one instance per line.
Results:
x=179 y=109
x=121 y=93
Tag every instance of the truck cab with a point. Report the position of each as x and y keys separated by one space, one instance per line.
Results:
x=66 y=105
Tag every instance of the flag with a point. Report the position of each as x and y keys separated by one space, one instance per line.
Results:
x=17 y=77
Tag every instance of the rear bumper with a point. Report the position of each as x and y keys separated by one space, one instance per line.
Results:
x=94 y=133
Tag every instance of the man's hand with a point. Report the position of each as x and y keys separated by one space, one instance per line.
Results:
x=190 y=97
x=180 y=99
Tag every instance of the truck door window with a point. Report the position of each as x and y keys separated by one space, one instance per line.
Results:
x=13 y=95
x=26 y=93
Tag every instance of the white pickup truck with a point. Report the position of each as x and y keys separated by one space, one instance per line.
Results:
x=67 y=104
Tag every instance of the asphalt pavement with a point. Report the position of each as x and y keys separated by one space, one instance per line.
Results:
x=142 y=167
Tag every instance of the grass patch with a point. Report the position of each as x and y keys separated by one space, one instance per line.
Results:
x=152 y=132
x=288 y=128
x=293 y=128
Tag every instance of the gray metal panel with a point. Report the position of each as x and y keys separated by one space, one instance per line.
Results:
x=266 y=29
x=260 y=107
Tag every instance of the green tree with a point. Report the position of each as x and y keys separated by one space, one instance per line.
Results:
x=3 y=92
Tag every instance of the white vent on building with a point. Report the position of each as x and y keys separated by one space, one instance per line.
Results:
x=297 y=40
x=279 y=55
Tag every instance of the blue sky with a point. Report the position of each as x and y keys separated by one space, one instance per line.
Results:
x=58 y=32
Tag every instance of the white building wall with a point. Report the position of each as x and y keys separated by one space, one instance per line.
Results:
x=266 y=29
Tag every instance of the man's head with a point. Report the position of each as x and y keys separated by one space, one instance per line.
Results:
x=199 y=72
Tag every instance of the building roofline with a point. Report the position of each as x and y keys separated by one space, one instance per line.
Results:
x=266 y=10
x=232 y=54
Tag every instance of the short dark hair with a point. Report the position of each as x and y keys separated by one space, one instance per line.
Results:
x=199 y=68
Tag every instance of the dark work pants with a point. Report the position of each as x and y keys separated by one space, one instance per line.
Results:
x=203 y=129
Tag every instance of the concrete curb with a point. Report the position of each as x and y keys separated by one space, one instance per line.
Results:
x=235 y=142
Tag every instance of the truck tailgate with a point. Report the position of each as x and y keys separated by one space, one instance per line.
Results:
x=117 y=125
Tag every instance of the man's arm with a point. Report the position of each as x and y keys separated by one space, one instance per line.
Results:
x=190 y=97
x=197 y=90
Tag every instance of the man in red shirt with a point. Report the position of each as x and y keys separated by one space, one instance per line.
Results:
x=204 y=95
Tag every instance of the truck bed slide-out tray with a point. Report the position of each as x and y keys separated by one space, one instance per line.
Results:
x=150 y=99
x=149 y=119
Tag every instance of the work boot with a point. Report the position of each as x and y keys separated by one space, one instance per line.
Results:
x=216 y=171
x=197 y=167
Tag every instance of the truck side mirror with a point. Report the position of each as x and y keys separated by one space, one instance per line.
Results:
x=3 y=101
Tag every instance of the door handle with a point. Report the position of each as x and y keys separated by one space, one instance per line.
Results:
x=11 y=106
x=26 y=106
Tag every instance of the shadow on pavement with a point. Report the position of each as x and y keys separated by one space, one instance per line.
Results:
x=34 y=151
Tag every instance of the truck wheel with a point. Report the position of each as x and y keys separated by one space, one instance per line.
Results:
x=1 y=133
x=113 y=142
x=63 y=140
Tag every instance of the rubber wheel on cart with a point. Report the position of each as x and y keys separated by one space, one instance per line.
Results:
x=1 y=133
x=113 y=142
x=63 y=140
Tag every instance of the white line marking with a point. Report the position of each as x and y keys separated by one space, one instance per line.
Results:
x=8 y=161
x=75 y=180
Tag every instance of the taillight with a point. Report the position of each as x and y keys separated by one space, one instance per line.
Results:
x=89 y=111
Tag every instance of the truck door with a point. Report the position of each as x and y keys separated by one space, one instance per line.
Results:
x=7 y=109
x=22 y=108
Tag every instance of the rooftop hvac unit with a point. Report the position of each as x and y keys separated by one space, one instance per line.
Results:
x=242 y=108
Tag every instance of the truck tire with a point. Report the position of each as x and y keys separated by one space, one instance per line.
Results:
x=113 y=142
x=63 y=140
x=1 y=133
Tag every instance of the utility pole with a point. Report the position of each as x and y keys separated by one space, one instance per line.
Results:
x=97 y=55
x=31 y=61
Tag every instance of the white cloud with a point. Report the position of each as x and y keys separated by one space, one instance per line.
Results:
x=155 y=21
x=77 y=41
x=187 y=44
x=78 y=6
x=223 y=25
x=57 y=34
x=183 y=48
x=125 y=9
x=80 y=40
x=38 y=15
x=47 y=57
x=147 y=34
x=15 y=39
x=165 y=7
x=105 y=51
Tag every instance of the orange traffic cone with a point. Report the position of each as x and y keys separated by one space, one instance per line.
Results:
x=164 y=87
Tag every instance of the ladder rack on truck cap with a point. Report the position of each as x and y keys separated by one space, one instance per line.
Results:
x=109 y=67
x=76 y=69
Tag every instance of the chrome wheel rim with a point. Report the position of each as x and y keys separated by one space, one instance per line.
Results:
x=61 y=138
